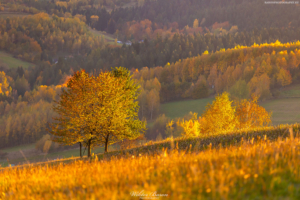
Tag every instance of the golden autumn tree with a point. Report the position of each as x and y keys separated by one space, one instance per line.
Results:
x=219 y=116
x=70 y=127
x=97 y=110
x=250 y=114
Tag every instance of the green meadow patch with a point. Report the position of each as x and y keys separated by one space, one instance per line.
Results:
x=285 y=110
x=180 y=108
x=11 y=62
x=108 y=37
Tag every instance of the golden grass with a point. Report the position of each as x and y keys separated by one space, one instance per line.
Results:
x=261 y=169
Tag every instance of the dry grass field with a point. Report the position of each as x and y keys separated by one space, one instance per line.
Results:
x=249 y=170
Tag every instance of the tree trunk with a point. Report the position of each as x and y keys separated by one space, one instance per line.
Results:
x=106 y=145
x=80 y=149
x=89 y=148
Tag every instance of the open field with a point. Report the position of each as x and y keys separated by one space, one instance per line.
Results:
x=285 y=111
x=12 y=62
x=290 y=91
x=181 y=108
x=5 y=14
x=18 y=148
x=260 y=169
x=108 y=37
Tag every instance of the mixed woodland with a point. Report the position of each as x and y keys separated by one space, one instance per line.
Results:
x=180 y=50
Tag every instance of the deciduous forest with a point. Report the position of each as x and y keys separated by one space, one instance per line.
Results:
x=97 y=73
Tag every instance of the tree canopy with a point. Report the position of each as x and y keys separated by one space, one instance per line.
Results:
x=98 y=110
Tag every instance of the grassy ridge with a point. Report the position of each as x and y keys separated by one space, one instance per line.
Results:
x=220 y=139
x=200 y=143
x=259 y=170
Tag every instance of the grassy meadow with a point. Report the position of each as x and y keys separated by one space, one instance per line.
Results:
x=290 y=91
x=285 y=111
x=180 y=108
x=248 y=170
x=108 y=37
x=12 y=62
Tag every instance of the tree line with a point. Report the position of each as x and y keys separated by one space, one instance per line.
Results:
x=157 y=52
x=242 y=71
x=247 y=15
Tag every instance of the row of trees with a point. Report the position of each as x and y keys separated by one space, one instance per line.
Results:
x=145 y=29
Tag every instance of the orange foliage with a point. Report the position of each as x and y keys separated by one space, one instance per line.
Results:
x=217 y=25
x=251 y=115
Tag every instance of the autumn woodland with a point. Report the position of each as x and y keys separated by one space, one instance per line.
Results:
x=149 y=99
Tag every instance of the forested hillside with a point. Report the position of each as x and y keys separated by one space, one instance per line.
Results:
x=41 y=37
x=180 y=50
x=157 y=52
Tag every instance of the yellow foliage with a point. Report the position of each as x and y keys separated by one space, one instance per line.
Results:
x=222 y=116
x=206 y=52
x=251 y=115
x=4 y=86
x=191 y=127
x=219 y=116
